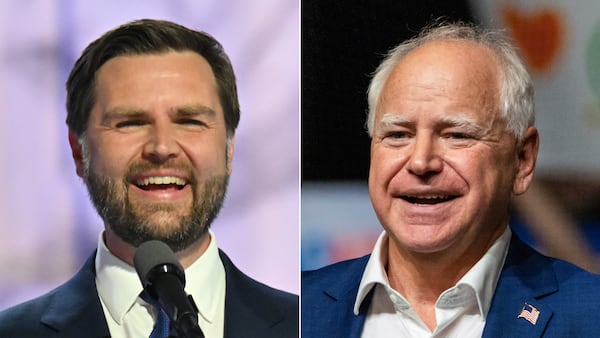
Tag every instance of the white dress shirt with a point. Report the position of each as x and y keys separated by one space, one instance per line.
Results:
x=460 y=311
x=128 y=315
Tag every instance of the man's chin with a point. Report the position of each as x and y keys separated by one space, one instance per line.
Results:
x=164 y=229
x=176 y=240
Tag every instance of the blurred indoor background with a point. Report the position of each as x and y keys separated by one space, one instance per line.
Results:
x=48 y=227
x=344 y=41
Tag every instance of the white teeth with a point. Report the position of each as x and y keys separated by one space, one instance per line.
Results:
x=432 y=197
x=161 y=180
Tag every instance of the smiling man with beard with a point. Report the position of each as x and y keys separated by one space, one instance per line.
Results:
x=152 y=112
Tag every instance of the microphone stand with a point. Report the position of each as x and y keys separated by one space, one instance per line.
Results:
x=182 y=312
x=163 y=278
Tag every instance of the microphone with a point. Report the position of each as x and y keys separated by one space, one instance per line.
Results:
x=163 y=279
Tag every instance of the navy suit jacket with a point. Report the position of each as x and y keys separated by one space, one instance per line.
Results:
x=73 y=310
x=566 y=297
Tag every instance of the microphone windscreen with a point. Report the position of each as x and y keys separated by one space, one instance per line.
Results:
x=152 y=254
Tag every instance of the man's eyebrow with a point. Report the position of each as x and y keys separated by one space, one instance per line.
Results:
x=468 y=124
x=393 y=119
x=389 y=120
x=132 y=113
x=120 y=113
x=195 y=110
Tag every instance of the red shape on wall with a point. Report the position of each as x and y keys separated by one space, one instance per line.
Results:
x=540 y=35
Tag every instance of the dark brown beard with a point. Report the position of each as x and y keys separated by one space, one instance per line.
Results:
x=110 y=197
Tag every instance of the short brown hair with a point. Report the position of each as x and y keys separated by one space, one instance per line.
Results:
x=142 y=37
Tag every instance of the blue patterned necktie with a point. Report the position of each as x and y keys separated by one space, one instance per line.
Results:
x=162 y=325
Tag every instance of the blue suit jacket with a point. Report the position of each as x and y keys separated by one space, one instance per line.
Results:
x=73 y=309
x=566 y=297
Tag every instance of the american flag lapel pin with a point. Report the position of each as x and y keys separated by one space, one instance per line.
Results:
x=529 y=313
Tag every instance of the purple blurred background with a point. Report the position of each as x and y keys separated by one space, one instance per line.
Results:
x=48 y=227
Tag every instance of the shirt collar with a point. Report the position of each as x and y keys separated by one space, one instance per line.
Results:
x=374 y=271
x=119 y=286
x=482 y=277
x=205 y=281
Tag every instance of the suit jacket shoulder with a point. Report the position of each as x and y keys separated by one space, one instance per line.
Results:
x=539 y=296
x=328 y=296
x=70 y=310
x=253 y=309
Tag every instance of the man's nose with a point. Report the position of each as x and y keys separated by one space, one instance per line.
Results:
x=425 y=156
x=162 y=144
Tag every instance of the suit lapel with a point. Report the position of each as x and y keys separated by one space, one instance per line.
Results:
x=517 y=308
x=345 y=323
x=341 y=293
x=248 y=309
x=75 y=309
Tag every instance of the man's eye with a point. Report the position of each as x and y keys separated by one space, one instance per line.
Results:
x=191 y=122
x=396 y=134
x=459 y=136
x=129 y=123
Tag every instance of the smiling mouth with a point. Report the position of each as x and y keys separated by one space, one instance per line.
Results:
x=433 y=199
x=161 y=183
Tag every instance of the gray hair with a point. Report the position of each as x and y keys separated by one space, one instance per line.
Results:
x=516 y=87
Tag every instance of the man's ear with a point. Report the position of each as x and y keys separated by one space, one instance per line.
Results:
x=229 y=159
x=77 y=153
x=526 y=156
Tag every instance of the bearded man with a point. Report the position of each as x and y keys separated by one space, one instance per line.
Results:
x=152 y=111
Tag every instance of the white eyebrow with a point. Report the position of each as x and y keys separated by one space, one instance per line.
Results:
x=388 y=120
x=468 y=124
